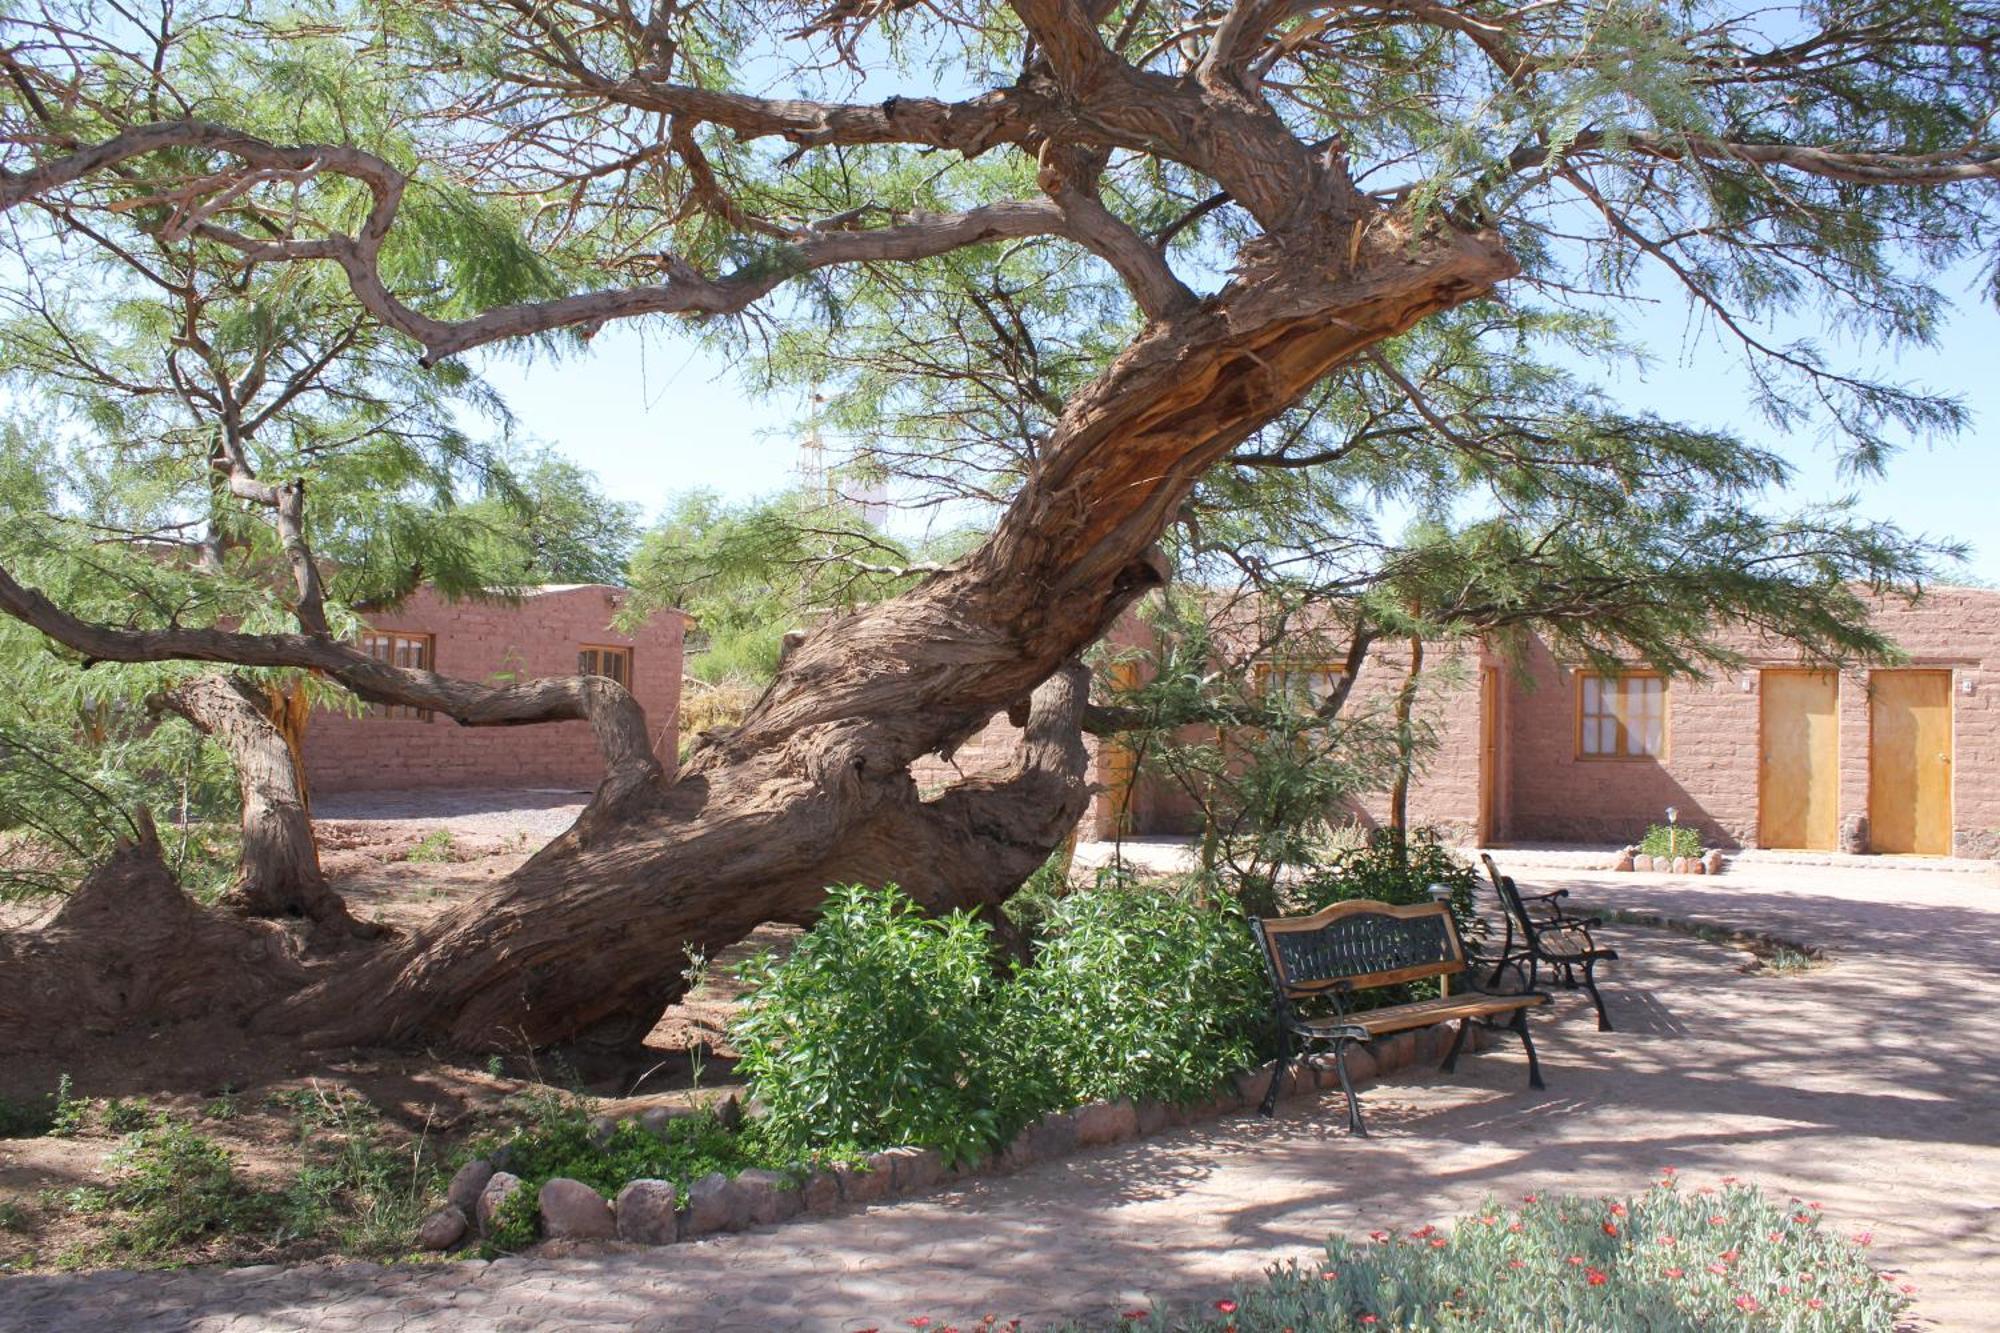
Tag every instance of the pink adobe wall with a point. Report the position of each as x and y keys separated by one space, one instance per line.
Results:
x=1710 y=770
x=1446 y=796
x=487 y=641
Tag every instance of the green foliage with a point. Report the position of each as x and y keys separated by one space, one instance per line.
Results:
x=1141 y=993
x=174 y=1186
x=433 y=848
x=1380 y=870
x=561 y=1141
x=67 y=1118
x=1668 y=1259
x=1671 y=841
x=126 y=1116
x=882 y=1027
x=32 y=1117
x=353 y=1184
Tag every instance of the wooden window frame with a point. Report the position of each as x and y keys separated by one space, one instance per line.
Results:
x=1264 y=670
x=401 y=712
x=1622 y=756
x=622 y=652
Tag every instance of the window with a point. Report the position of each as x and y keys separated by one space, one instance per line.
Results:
x=613 y=662
x=402 y=649
x=1303 y=685
x=1621 y=717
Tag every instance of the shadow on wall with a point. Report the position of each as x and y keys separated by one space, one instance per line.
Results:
x=1629 y=797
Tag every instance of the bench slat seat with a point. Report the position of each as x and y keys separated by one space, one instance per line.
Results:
x=1423 y=1013
x=1361 y=945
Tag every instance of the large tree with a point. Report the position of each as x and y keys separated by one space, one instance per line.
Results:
x=1261 y=193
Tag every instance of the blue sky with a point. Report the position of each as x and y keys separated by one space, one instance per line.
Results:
x=653 y=416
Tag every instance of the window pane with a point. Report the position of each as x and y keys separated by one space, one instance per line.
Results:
x=1607 y=736
x=1591 y=701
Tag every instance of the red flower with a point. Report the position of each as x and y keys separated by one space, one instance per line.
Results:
x=1775 y=1235
x=1864 y=1238
x=1366 y=1319
x=1576 y=1259
x=1517 y=1263
x=1516 y=1228
x=1746 y=1302
x=1527 y=1198
x=1422 y=1231
x=1439 y=1242
x=1488 y=1220
x=1378 y=1235
x=1668 y=1240
x=1728 y=1256
x=1329 y=1274
x=1594 y=1276
x=1227 y=1307
x=921 y=1321
x=1784 y=1288
x=1815 y=1304
x=1813 y=1206
x=1135 y=1314
x=1610 y=1228
x=1908 y=1289
x=1718 y=1268
x=1675 y=1272
x=1618 y=1210
x=1729 y=1180
x=1717 y=1220
x=1803 y=1219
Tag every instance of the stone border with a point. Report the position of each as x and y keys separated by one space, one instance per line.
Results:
x=1631 y=858
x=654 y=1212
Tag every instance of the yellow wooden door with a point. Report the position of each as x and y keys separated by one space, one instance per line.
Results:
x=1909 y=762
x=1798 y=785
x=1119 y=766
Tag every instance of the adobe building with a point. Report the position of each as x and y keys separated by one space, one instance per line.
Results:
x=553 y=630
x=1775 y=753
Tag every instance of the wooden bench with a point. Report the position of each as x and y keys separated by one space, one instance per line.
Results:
x=1354 y=946
x=1551 y=936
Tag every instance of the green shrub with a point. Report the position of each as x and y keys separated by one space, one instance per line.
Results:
x=882 y=1027
x=1670 y=841
x=176 y=1186
x=1375 y=871
x=1141 y=993
x=1667 y=1260
x=125 y=1116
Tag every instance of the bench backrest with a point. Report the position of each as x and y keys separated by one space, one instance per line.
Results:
x=1511 y=904
x=1361 y=943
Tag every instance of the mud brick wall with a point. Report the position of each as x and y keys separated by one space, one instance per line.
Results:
x=494 y=642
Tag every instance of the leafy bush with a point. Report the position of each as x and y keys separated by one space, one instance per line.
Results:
x=1668 y=1260
x=177 y=1186
x=1670 y=841
x=882 y=1027
x=436 y=847
x=1377 y=871
x=1141 y=993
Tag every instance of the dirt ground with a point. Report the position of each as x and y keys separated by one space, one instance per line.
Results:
x=400 y=858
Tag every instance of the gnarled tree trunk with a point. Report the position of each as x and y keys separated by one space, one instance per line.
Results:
x=279 y=874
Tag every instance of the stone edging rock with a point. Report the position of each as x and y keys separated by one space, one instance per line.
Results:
x=654 y=1212
x=1709 y=863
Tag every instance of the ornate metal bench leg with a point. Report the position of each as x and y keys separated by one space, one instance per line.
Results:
x=1520 y=1025
x=1457 y=1044
x=1354 y=1125
x=1270 y=1106
x=1590 y=985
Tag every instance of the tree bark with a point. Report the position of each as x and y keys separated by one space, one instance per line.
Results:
x=1406 y=751
x=279 y=874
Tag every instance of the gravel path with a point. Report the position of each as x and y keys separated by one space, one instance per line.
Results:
x=1869 y=1086
x=539 y=812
